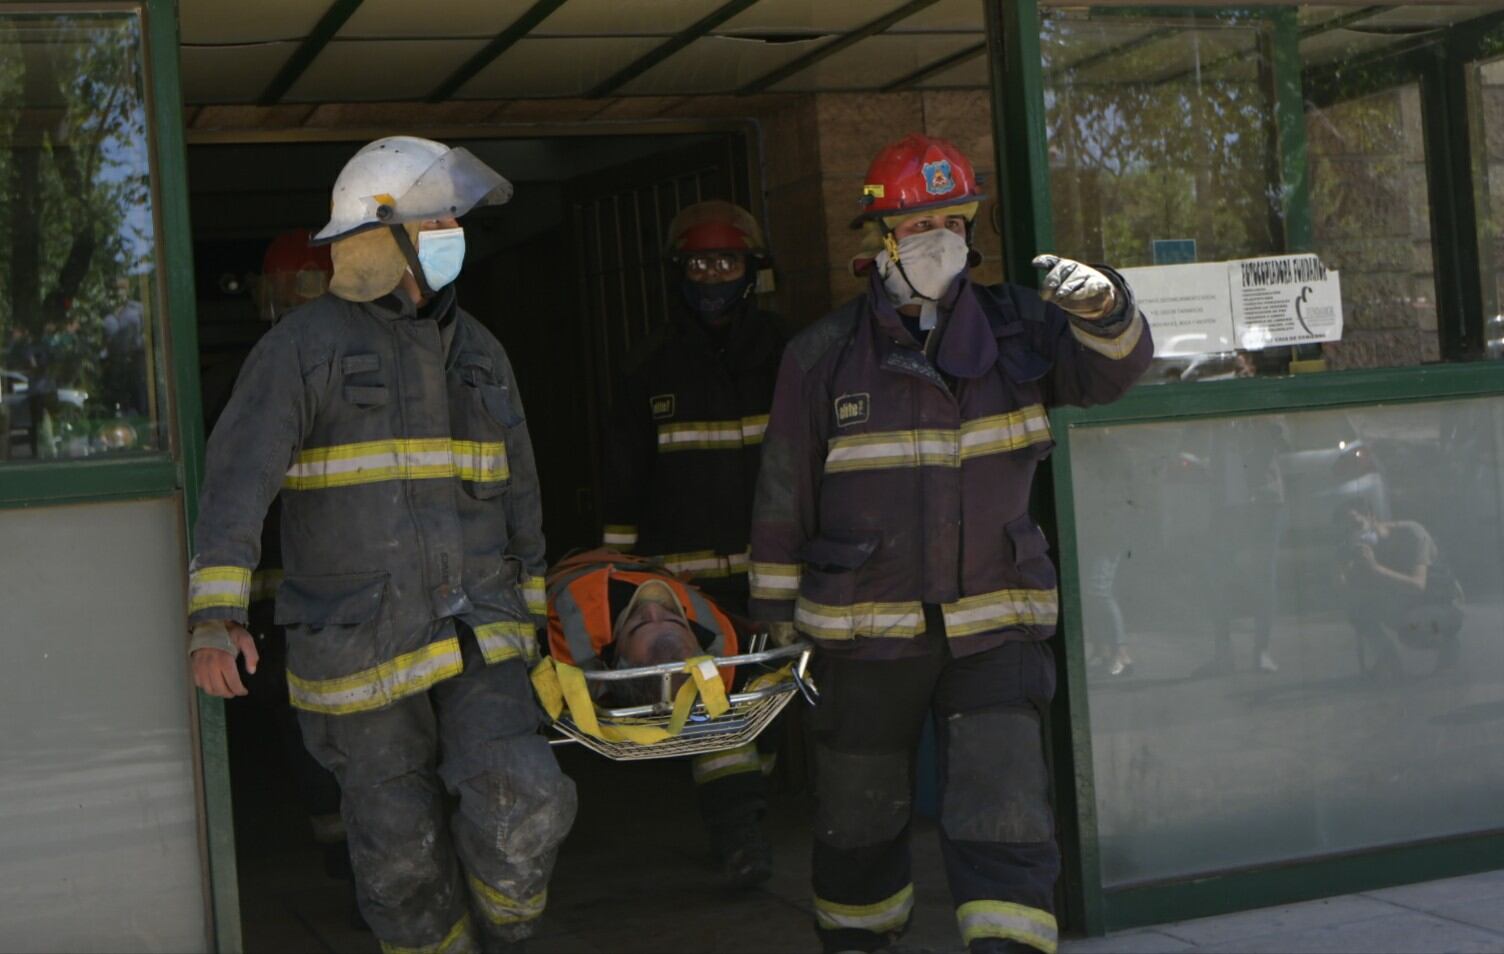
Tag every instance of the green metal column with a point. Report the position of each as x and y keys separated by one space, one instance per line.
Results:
x=1290 y=126
x=1023 y=169
x=187 y=416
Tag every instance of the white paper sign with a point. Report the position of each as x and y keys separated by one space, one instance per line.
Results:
x=1189 y=307
x=1248 y=304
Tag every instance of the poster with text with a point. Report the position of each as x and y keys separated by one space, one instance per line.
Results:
x=1284 y=300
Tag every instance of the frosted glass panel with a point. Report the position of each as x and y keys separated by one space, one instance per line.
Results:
x=98 y=832
x=1295 y=629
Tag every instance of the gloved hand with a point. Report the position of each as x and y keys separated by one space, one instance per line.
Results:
x=1079 y=289
x=212 y=650
x=782 y=634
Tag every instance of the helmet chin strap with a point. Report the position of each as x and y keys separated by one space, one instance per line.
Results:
x=399 y=234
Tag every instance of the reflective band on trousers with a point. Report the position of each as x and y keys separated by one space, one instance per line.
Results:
x=533 y=593
x=712 y=435
x=704 y=563
x=508 y=639
x=775 y=581
x=880 y=450
x=1004 y=919
x=459 y=940
x=620 y=536
x=501 y=909
x=343 y=465
x=1117 y=347
x=380 y=685
x=887 y=915
x=740 y=760
x=214 y=586
x=858 y=619
x=988 y=611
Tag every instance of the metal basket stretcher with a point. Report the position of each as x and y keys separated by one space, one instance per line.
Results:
x=747 y=713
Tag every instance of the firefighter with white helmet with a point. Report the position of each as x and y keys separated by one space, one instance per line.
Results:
x=682 y=452
x=389 y=422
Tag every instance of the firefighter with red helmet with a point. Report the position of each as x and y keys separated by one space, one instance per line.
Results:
x=892 y=527
x=682 y=454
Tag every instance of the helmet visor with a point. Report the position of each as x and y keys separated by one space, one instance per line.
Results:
x=454 y=184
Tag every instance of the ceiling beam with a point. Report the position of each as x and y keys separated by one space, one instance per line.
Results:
x=665 y=50
x=938 y=66
x=488 y=54
x=313 y=44
x=840 y=43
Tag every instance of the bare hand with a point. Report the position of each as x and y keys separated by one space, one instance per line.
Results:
x=214 y=670
x=1079 y=289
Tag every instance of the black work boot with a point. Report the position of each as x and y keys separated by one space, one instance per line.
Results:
x=745 y=854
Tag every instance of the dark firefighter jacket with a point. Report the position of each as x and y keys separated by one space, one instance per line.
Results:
x=409 y=499
x=683 y=446
x=895 y=476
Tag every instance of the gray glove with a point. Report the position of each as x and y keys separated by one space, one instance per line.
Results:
x=1079 y=289
x=782 y=634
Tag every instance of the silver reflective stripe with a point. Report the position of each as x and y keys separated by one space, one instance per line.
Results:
x=742 y=759
x=503 y=909
x=576 y=633
x=989 y=611
x=700 y=435
x=218 y=586
x=890 y=914
x=1006 y=920
x=376 y=687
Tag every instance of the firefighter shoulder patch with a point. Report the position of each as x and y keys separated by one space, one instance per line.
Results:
x=853 y=409
x=663 y=406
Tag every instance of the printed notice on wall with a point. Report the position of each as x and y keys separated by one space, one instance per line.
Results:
x=1249 y=304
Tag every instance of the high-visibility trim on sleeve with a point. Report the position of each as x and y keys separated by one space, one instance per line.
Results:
x=1008 y=921
x=507 y=639
x=459 y=940
x=533 y=592
x=218 y=586
x=775 y=581
x=742 y=760
x=999 y=609
x=754 y=428
x=619 y=535
x=1118 y=346
x=500 y=908
x=903 y=620
x=380 y=685
x=889 y=914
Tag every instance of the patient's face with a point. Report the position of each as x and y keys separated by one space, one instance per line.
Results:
x=654 y=634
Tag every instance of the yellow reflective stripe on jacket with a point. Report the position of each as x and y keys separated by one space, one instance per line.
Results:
x=889 y=914
x=1009 y=921
x=264 y=584
x=369 y=462
x=934 y=447
x=988 y=611
x=380 y=685
x=699 y=435
x=459 y=940
x=502 y=909
x=715 y=765
x=705 y=563
x=621 y=536
x=753 y=428
x=858 y=619
x=507 y=639
x=212 y=586
x=775 y=581
x=1117 y=347
x=533 y=592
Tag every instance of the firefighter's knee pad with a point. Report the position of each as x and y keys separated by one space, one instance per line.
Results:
x=521 y=804
x=996 y=784
x=864 y=797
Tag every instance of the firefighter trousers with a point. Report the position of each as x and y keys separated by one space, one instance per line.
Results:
x=454 y=806
x=996 y=828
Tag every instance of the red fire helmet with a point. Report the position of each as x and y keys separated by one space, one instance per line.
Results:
x=914 y=174
x=291 y=253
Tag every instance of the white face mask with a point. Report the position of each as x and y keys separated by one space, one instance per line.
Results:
x=931 y=261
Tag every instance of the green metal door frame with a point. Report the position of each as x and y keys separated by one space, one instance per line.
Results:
x=1024 y=191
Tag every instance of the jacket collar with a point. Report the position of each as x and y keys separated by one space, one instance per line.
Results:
x=398 y=305
x=751 y=340
x=964 y=342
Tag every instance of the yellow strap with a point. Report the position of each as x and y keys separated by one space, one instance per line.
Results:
x=560 y=686
x=771 y=678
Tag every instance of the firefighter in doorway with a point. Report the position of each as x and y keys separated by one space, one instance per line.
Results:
x=682 y=453
x=892 y=527
x=390 y=424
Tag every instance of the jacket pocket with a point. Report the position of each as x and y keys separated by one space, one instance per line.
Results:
x=372 y=395
x=314 y=602
x=1031 y=553
x=831 y=565
x=369 y=391
x=496 y=401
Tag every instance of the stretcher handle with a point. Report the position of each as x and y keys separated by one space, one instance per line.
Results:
x=672 y=668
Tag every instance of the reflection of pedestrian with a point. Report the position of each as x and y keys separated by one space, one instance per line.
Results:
x=1101 y=475
x=1242 y=461
x=1396 y=584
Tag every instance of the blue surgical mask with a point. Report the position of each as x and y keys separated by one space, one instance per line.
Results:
x=441 y=253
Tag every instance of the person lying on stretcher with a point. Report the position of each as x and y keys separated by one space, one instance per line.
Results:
x=607 y=610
